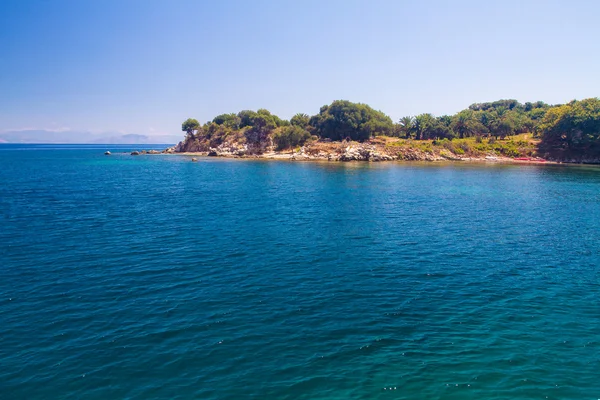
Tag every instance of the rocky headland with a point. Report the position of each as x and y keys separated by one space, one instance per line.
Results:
x=374 y=150
x=500 y=131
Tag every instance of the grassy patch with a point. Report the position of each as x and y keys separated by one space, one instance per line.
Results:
x=516 y=146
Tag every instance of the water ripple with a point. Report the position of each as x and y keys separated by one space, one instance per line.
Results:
x=154 y=277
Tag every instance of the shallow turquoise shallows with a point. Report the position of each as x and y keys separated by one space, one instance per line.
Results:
x=154 y=277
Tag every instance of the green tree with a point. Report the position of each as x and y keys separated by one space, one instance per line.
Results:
x=262 y=124
x=442 y=128
x=502 y=122
x=343 y=119
x=464 y=124
x=405 y=127
x=290 y=136
x=301 y=120
x=189 y=126
x=216 y=134
x=246 y=117
x=537 y=113
x=422 y=126
x=507 y=104
x=574 y=126
x=230 y=120
x=502 y=127
x=526 y=124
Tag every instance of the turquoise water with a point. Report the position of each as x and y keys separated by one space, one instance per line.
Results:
x=154 y=277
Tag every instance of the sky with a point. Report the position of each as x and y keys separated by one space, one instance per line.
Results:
x=142 y=67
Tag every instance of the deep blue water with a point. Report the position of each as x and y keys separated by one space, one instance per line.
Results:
x=155 y=277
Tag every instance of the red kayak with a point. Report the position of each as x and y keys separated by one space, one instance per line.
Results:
x=530 y=159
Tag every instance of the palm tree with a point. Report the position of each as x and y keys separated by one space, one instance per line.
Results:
x=422 y=125
x=464 y=124
x=501 y=112
x=406 y=126
x=503 y=123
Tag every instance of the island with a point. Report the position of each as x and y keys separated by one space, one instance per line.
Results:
x=503 y=130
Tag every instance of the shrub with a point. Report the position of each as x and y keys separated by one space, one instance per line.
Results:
x=448 y=145
x=290 y=136
x=427 y=147
x=464 y=146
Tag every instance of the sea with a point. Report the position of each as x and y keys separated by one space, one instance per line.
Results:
x=155 y=277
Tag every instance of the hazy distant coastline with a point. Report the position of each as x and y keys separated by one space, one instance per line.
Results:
x=75 y=137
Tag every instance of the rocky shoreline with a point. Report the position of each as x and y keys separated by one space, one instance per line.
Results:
x=372 y=151
x=347 y=152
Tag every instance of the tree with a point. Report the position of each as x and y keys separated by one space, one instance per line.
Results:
x=405 y=127
x=267 y=114
x=423 y=124
x=537 y=113
x=246 y=117
x=526 y=124
x=574 y=126
x=230 y=120
x=502 y=122
x=190 y=125
x=344 y=119
x=442 y=128
x=464 y=123
x=508 y=104
x=502 y=126
x=290 y=136
x=261 y=126
x=301 y=120
x=216 y=134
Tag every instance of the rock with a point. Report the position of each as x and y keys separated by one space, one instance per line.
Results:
x=135 y=153
x=194 y=159
x=153 y=152
x=356 y=154
x=212 y=153
x=107 y=153
x=380 y=157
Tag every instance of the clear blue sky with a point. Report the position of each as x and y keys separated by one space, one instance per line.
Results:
x=144 y=66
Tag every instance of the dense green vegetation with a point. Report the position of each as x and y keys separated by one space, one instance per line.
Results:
x=572 y=128
x=345 y=120
x=498 y=119
x=519 y=145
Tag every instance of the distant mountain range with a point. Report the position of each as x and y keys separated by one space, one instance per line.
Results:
x=43 y=136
